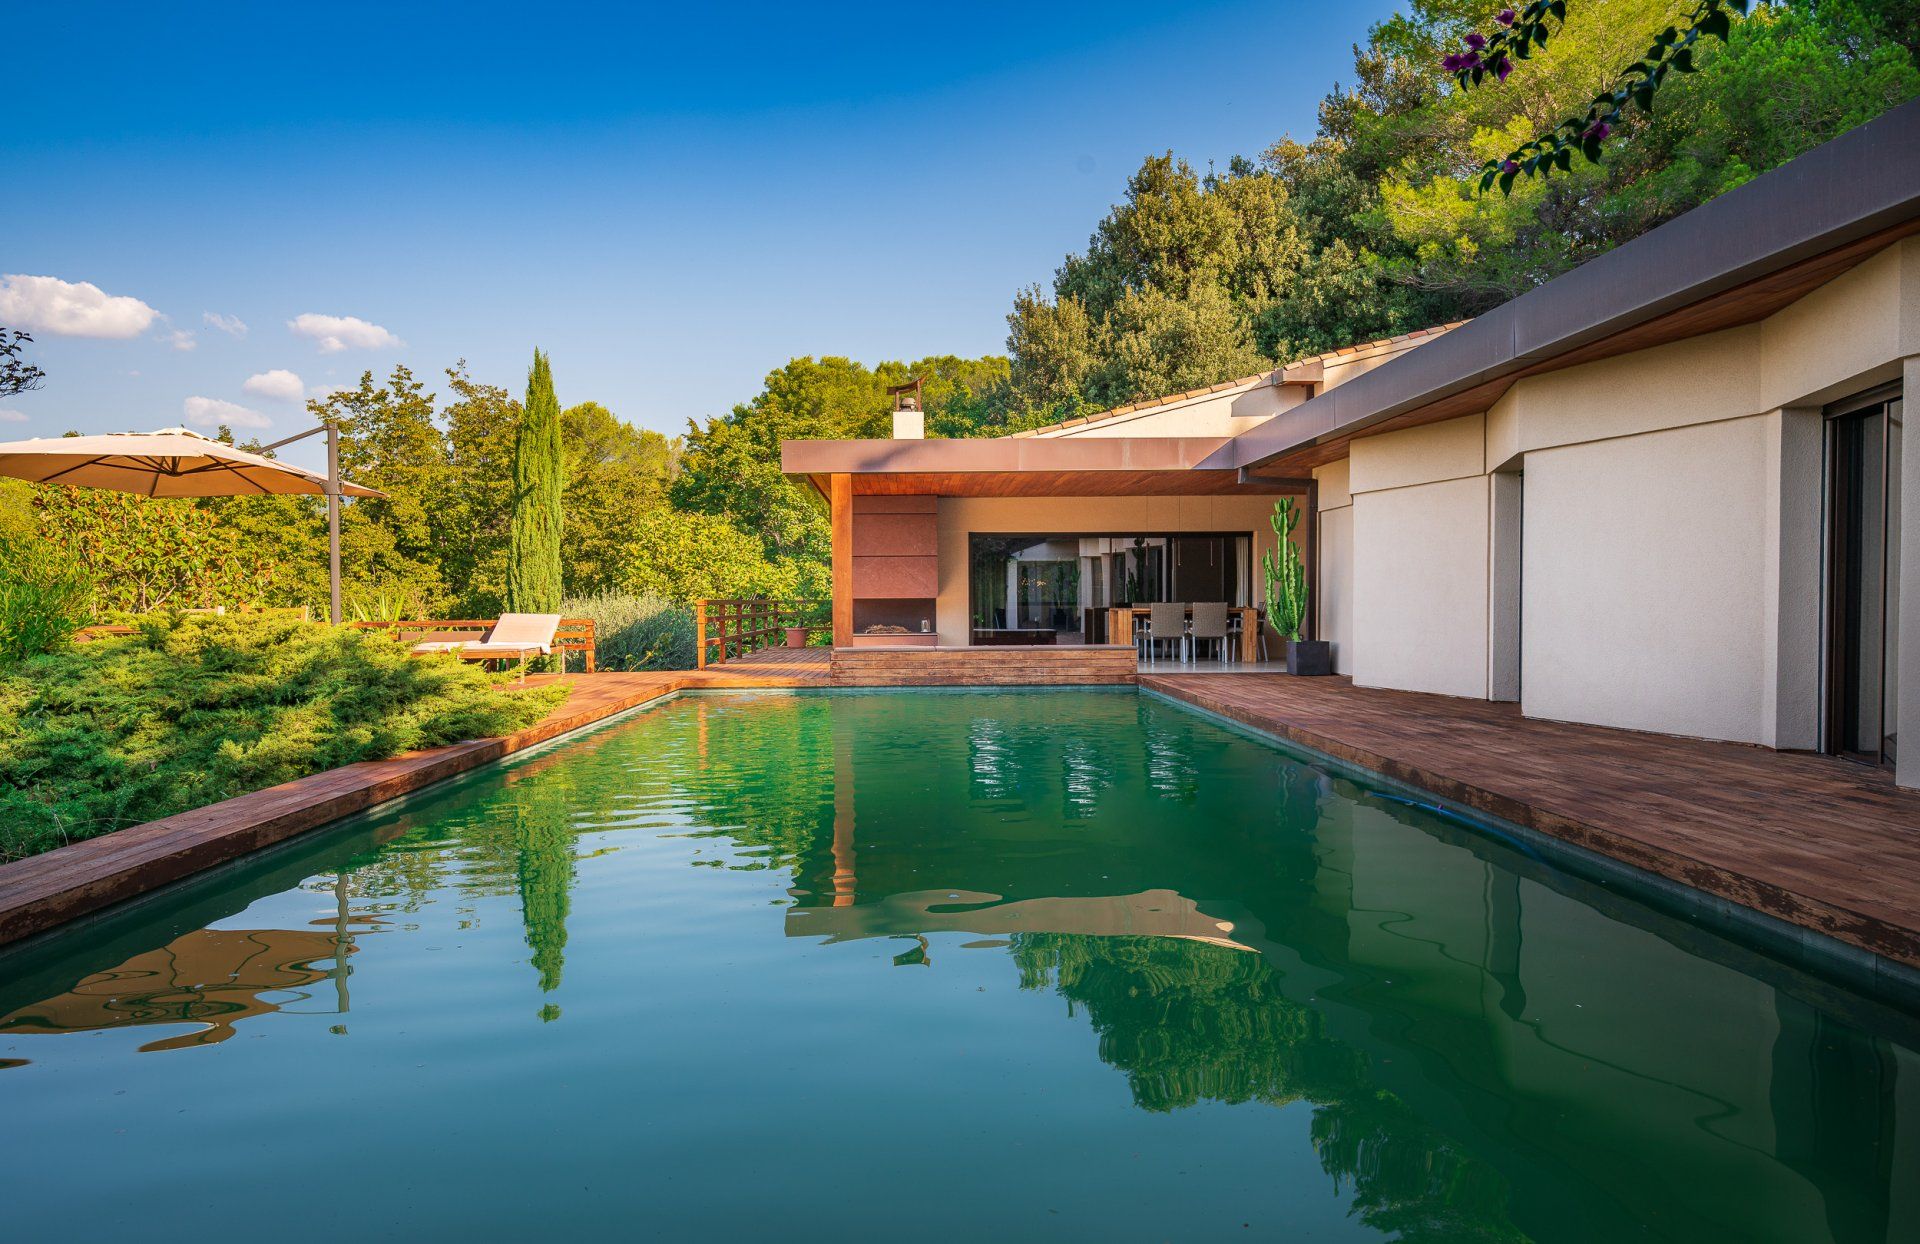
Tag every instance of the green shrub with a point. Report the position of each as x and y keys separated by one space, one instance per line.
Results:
x=196 y=709
x=636 y=632
x=43 y=601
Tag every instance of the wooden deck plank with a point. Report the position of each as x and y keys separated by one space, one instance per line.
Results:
x=1812 y=840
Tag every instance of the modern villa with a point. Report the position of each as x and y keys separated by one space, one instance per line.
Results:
x=1662 y=492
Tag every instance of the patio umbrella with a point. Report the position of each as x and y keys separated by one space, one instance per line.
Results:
x=176 y=462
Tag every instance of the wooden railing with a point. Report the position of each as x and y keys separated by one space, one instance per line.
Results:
x=733 y=628
x=573 y=634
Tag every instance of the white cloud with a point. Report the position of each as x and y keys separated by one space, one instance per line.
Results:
x=13 y=416
x=231 y=325
x=211 y=412
x=181 y=339
x=279 y=384
x=342 y=332
x=48 y=304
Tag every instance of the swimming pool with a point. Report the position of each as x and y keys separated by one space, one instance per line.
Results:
x=1020 y=964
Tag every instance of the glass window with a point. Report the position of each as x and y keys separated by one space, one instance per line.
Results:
x=1056 y=588
x=1864 y=448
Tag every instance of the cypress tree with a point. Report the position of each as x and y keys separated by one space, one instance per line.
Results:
x=533 y=551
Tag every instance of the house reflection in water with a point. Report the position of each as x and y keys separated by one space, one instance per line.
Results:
x=1486 y=1042
x=210 y=979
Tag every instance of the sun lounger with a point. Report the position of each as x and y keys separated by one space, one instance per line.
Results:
x=516 y=636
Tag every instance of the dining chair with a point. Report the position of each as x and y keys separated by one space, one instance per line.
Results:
x=1209 y=622
x=1167 y=624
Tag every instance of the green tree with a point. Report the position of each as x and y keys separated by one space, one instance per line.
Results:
x=533 y=558
x=389 y=441
x=615 y=472
x=482 y=422
x=141 y=554
x=1053 y=347
x=1188 y=281
x=1161 y=342
x=687 y=556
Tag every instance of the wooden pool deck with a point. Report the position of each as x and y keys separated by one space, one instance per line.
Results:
x=1815 y=841
x=1818 y=843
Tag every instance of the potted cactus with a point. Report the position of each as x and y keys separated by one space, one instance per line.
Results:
x=1287 y=595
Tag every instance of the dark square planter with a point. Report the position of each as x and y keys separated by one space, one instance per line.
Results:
x=1312 y=657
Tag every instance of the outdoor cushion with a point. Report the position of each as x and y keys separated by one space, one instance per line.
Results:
x=525 y=630
x=515 y=634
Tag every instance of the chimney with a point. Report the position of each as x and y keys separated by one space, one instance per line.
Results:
x=909 y=420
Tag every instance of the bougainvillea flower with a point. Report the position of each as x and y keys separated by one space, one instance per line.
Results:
x=1509 y=167
x=1476 y=41
x=1598 y=131
x=1501 y=68
x=1506 y=17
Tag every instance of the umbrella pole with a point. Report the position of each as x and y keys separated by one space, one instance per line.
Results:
x=333 y=520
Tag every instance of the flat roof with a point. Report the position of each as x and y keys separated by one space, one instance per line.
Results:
x=1028 y=466
x=1731 y=261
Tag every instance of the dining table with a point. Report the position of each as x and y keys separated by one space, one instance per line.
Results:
x=1122 y=618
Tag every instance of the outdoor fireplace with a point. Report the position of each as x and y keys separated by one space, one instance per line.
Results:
x=882 y=623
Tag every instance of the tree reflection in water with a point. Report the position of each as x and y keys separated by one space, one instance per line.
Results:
x=1190 y=1022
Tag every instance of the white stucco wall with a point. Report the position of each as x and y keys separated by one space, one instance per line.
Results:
x=1420 y=559
x=1670 y=568
x=1645 y=565
x=1335 y=564
x=1420 y=587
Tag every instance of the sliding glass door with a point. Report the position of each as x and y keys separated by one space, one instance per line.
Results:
x=1056 y=588
x=1863 y=559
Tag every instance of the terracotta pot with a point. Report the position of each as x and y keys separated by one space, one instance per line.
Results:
x=796 y=637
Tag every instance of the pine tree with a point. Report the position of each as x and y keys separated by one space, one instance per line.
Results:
x=533 y=556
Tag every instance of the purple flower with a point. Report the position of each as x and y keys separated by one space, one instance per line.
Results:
x=1476 y=41
x=1502 y=67
x=1505 y=17
x=1454 y=63
x=1598 y=131
x=1509 y=167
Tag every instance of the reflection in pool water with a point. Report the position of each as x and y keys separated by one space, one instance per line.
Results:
x=926 y=939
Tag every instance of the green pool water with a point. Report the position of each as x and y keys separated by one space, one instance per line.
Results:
x=935 y=966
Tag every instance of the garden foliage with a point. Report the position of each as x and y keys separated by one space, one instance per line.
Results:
x=636 y=632
x=195 y=709
x=44 y=599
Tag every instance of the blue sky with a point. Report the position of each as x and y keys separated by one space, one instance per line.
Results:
x=670 y=202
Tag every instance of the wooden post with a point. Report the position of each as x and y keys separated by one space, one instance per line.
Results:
x=699 y=634
x=840 y=510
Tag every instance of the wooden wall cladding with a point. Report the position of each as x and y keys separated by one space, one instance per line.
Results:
x=1068 y=666
x=896 y=546
x=895 y=578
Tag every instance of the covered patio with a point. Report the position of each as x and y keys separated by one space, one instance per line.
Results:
x=1045 y=551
